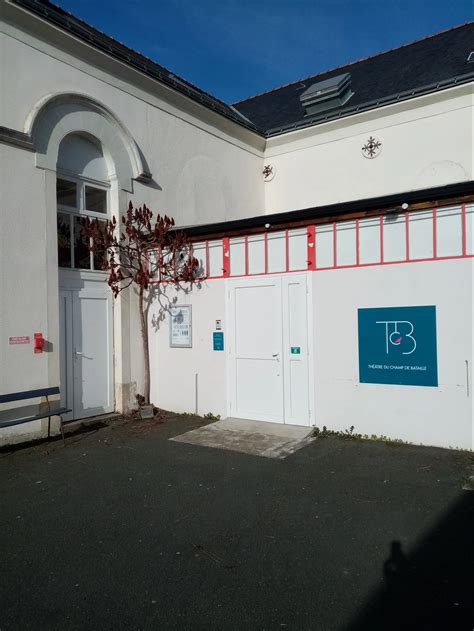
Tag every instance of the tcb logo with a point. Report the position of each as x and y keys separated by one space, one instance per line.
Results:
x=399 y=333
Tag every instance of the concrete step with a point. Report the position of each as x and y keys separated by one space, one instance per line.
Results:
x=297 y=432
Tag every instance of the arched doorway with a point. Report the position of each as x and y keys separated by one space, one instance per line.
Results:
x=111 y=161
x=83 y=189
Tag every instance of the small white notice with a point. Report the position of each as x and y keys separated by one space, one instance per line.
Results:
x=181 y=326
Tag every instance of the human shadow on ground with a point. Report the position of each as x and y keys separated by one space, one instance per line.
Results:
x=431 y=589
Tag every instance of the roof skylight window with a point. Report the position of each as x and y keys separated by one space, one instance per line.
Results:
x=327 y=94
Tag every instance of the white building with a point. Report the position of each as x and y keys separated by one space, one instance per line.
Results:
x=333 y=218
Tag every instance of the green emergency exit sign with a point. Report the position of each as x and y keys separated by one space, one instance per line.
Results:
x=296 y=350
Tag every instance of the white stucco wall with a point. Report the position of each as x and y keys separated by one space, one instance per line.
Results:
x=174 y=370
x=28 y=298
x=440 y=416
x=24 y=288
x=426 y=142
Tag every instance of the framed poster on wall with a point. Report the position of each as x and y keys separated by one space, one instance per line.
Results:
x=181 y=326
x=397 y=345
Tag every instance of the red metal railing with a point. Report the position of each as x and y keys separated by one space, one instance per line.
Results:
x=313 y=262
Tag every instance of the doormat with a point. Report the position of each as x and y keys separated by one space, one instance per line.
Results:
x=250 y=437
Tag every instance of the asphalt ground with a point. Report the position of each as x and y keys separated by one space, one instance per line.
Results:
x=125 y=529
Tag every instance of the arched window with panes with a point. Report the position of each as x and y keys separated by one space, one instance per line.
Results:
x=82 y=190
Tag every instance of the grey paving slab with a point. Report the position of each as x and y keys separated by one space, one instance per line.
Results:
x=264 y=427
x=257 y=438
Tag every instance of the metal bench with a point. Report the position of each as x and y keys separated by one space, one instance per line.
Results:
x=32 y=412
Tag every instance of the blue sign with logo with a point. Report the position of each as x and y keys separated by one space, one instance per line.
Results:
x=218 y=341
x=397 y=345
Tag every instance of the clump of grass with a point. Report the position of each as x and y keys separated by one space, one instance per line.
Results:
x=209 y=416
x=350 y=434
x=347 y=434
x=212 y=417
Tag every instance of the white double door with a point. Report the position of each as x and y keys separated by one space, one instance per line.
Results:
x=269 y=349
x=86 y=351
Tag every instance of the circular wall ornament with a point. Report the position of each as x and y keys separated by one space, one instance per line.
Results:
x=268 y=172
x=372 y=148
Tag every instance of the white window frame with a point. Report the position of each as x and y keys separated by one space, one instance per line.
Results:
x=80 y=211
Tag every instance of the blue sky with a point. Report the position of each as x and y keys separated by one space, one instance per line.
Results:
x=237 y=48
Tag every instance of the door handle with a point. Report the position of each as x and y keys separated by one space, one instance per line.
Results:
x=81 y=354
x=276 y=356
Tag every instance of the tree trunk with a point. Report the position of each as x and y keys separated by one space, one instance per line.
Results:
x=146 y=350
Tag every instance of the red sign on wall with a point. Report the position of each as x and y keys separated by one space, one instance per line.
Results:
x=22 y=339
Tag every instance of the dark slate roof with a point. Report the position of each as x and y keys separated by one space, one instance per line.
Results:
x=424 y=66
x=92 y=36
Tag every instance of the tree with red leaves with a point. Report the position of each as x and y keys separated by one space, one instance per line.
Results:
x=138 y=252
